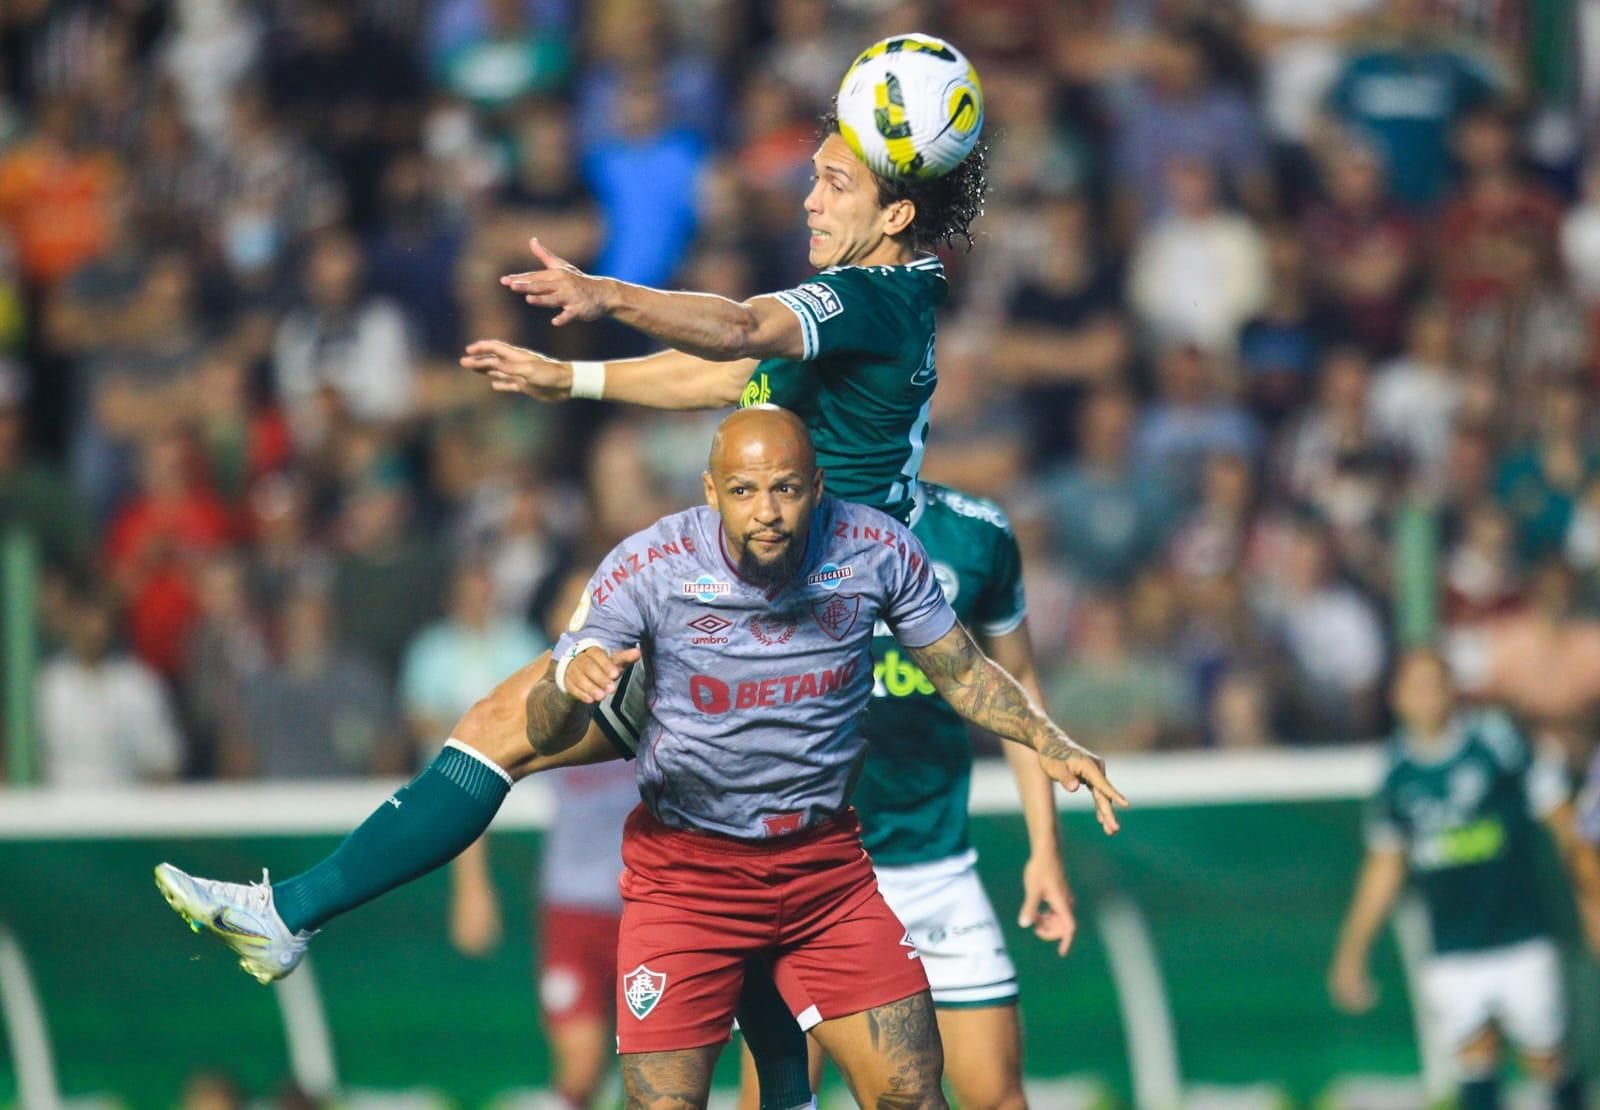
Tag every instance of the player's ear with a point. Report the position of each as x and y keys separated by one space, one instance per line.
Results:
x=898 y=216
x=711 y=489
x=816 y=483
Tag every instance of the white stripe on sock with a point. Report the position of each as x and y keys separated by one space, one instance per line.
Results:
x=481 y=758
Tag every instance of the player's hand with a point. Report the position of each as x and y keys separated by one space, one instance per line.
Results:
x=474 y=919
x=1047 y=902
x=560 y=285
x=1071 y=766
x=512 y=369
x=1350 y=986
x=594 y=674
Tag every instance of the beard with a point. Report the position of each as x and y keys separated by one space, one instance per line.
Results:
x=773 y=572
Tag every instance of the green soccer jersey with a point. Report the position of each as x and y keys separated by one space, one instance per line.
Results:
x=1466 y=818
x=912 y=793
x=865 y=380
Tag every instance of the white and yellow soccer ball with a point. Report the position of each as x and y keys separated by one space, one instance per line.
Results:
x=910 y=107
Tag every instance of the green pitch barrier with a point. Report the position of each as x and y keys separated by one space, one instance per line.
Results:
x=1204 y=935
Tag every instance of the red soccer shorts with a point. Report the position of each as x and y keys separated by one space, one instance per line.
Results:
x=696 y=907
x=577 y=964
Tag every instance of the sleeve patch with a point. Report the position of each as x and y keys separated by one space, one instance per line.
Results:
x=822 y=301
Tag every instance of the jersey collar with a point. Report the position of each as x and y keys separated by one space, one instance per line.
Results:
x=925 y=263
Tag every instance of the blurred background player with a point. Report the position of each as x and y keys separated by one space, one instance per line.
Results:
x=912 y=799
x=578 y=911
x=1458 y=812
x=851 y=351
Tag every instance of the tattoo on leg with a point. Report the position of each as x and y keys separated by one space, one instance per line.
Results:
x=906 y=1034
x=678 y=1080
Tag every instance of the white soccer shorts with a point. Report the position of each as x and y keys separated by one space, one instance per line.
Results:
x=945 y=909
x=1518 y=987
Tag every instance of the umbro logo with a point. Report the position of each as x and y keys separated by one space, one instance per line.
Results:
x=711 y=628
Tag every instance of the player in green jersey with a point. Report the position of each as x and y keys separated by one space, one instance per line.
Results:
x=1458 y=812
x=912 y=800
x=851 y=351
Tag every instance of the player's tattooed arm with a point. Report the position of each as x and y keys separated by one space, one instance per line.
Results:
x=982 y=692
x=667 y=1080
x=556 y=721
x=558 y=704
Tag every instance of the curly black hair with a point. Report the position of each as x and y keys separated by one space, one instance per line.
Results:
x=946 y=205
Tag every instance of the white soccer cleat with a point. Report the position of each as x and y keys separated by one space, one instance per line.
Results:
x=242 y=917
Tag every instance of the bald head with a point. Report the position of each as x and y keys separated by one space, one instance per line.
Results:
x=761 y=436
x=762 y=477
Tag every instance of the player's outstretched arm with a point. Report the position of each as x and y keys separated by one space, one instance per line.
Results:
x=1383 y=873
x=700 y=324
x=665 y=380
x=987 y=696
x=1046 y=897
x=1582 y=860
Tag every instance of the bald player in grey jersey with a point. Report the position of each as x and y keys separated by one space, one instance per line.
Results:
x=755 y=618
x=449 y=805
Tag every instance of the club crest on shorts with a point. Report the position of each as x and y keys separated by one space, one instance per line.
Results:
x=642 y=989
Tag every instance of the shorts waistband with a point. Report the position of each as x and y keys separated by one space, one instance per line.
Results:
x=642 y=822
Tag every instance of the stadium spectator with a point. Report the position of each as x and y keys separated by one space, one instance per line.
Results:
x=104 y=716
x=226 y=646
x=1368 y=248
x=388 y=577
x=1415 y=398
x=1199 y=271
x=450 y=663
x=644 y=178
x=1335 y=461
x=508 y=56
x=1494 y=202
x=1404 y=92
x=1534 y=331
x=34 y=494
x=56 y=194
x=1110 y=514
x=1331 y=637
x=352 y=88
x=1053 y=317
x=1182 y=113
x=318 y=709
x=152 y=543
x=1191 y=418
x=1482 y=572
x=1281 y=345
x=1541 y=480
x=1120 y=699
x=341 y=346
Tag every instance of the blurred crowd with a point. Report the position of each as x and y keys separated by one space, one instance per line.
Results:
x=1276 y=340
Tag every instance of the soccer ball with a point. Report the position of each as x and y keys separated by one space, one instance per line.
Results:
x=910 y=107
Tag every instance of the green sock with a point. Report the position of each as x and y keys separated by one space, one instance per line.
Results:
x=427 y=823
x=1479 y=1093
x=1567 y=1094
x=775 y=1039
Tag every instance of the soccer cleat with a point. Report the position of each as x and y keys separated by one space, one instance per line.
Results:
x=242 y=917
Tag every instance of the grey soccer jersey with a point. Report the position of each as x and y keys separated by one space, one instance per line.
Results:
x=755 y=696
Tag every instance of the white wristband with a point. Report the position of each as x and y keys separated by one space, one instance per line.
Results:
x=589 y=380
x=576 y=650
